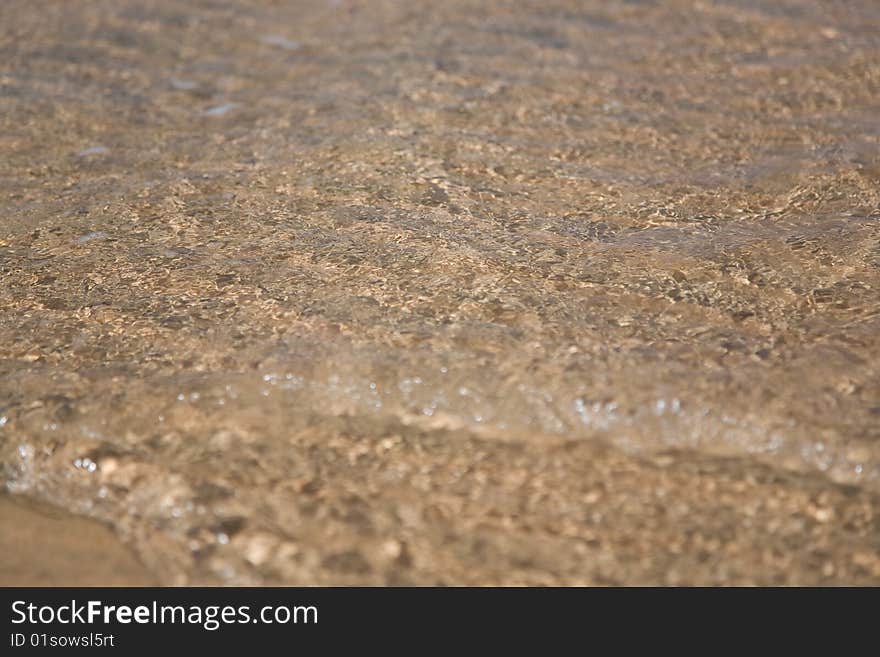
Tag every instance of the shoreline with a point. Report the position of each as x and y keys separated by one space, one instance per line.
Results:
x=42 y=545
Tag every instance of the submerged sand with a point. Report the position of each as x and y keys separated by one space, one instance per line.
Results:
x=446 y=293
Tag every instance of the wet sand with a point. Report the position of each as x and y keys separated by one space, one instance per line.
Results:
x=446 y=293
x=44 y=546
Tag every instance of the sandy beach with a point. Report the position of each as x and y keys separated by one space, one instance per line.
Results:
x=416 y=293
x=44 y=546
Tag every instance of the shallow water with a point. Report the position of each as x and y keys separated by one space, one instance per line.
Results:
x=362 y=292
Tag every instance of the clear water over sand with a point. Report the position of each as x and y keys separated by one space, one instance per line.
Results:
x=462 y=292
